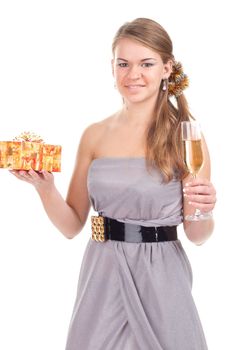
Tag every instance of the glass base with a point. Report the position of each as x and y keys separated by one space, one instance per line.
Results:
x=199 y=216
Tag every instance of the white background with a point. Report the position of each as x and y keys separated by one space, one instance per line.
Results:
x=55 y=79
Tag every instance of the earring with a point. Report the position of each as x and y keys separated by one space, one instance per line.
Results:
x=164 y=88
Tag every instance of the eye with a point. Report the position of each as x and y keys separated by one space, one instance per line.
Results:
x=147 y=64
x=122 y=65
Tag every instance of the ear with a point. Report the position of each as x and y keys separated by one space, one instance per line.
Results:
x=167 y=69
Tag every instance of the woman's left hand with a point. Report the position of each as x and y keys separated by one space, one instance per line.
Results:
x=201 y=194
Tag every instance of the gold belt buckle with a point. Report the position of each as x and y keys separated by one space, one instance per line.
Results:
x=97 y=227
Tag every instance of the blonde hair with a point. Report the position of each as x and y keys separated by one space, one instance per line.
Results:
x=163 y=141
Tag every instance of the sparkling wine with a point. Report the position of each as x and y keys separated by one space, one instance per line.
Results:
x=193 y=155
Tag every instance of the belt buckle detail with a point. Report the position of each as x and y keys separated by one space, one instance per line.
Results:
x=97 y=227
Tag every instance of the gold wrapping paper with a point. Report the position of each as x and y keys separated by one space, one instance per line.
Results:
x=26 y=154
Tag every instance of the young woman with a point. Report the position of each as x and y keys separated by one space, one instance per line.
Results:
x=134 y=289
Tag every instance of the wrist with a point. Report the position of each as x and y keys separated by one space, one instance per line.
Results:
x=44 y=189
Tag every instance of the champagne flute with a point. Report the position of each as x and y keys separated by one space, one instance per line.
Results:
x=193 y=157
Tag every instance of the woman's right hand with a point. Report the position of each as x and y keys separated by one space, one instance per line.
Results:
x=41 y=180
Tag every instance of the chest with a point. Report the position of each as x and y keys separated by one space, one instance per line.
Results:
x=121 y=143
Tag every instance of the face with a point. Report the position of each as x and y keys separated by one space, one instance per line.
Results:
x=138 y=71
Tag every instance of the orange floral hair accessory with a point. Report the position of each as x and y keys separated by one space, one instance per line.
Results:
x=178 y=81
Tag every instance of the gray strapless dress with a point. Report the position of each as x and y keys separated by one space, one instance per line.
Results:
x=134 y=296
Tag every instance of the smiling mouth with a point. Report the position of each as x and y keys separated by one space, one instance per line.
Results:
x=134 y=86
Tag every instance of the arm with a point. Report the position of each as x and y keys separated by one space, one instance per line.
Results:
x=199 y=193
x=61 y=214
x=69 y=215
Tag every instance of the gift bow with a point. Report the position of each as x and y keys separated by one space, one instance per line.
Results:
x=28 y=137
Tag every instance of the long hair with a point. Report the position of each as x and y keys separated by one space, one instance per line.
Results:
x=163 y=138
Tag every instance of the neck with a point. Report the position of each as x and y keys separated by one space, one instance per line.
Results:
x=138 y=114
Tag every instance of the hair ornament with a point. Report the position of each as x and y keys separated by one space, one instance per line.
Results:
x=178 y=81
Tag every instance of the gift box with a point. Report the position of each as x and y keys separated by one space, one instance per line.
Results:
x=28 y=151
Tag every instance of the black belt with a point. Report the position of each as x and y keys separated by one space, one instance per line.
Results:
x=104 y=228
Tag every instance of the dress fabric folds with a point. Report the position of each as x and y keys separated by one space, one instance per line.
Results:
x=134 y=296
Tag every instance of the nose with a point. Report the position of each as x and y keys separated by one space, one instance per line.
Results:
x=134 y=72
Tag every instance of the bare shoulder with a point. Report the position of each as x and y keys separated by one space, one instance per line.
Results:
x=96 y=129
x=93 y=134
x=88 y=144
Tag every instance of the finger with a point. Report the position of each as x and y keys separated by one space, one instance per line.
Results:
x=18 y=173
x=199 y=198
x=14 y=172
x=198 y=182
x=201 y=189
x=24 y=175
x=36 y=176
x=47 y=175
x=33 y=177
x=202 y=206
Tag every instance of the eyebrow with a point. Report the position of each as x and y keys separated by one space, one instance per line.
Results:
x=144 y=59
